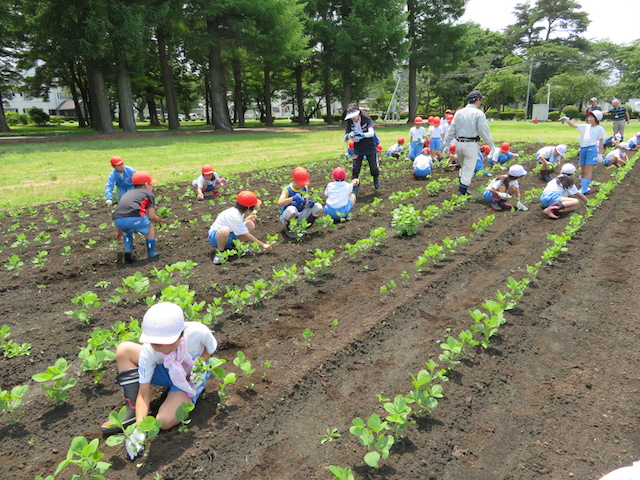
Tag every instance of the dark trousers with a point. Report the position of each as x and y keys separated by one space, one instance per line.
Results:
x=372 y=158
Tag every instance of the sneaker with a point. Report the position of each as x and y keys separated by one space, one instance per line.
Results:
x=590 y=191
x=496 y=206
x=217 y=260
x=376 y=183
x=505 y=205
x=215 y=193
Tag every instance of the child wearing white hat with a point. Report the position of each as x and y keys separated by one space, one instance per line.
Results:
x=591 y=146
x=560 y=192
x=617 y=157
x=505 y=187
x=169 y=350
x=549 y=158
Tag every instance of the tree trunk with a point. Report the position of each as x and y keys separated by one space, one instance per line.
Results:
x=101 y=112
x=346 y=94
x=153 y=112
x=125 y=98
x=327 y=94
x=74 y=96
x=413 y=64
x=238 y=108
x=207 y=100
x=267 y=97
x=302 y=119
x=167 y=80
x=4 y=126
x=219 y=110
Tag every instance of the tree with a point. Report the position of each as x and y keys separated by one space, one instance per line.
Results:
x=10 y=43
x=571 y=89
x=524 y=33
x=561 y=16
x=502 y=87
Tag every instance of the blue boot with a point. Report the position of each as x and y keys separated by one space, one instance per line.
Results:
x=585 y=185
x=128 y=248
x=151 y=248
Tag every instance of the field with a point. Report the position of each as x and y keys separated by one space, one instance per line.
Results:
x=553 y=395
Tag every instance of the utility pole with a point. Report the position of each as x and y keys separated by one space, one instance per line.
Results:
x=526 y=107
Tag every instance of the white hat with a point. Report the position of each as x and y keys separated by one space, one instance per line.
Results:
x=618 y=136
x=351 y=113
x=561 y=149
x=162 y=324
x=517 y=171
x=568 y=168
x=593 y=99
x=624 y=145
x=598 y=114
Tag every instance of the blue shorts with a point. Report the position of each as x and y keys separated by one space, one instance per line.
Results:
x=588 y=155
x=162 y=379
x=339 y=213
x=422 y=172
x=488 y=196
x=415 y=149
x=606 y=161
x=549 y=198
x=213 y=239
x=133 y=224
x=435 y=143
x=540 y=161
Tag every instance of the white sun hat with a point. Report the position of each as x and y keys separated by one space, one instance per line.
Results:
x=517 y=171
x=568 y=168
x=351 y=114
x=162 y=324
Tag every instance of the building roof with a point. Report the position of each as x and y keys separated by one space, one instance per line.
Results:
x=66 y=105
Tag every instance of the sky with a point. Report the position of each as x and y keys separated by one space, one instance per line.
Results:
x=617 y=20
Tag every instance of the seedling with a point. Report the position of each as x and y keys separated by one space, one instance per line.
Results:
x=87 y=461
x=406 y=220
x=149 y=426
x=43 y=237
x=138 y=283
x=299 y=228
x=389 y=286
x=87 y=301
x=182 y=414
x=288 y=274
x=330 y=435
x=399 y=412
x=245 y=365
x=341 y=473
x=13 y=263
x=11 y=401
x=40 y=259
x=318 y=264
x=373 y=437
x=66 y=251
x=162 y=275
x=58 y=386
x=425 y=393
x=258 y=290
x=307 y=334
x=237 y=298
x=452 y=351
x=14 y=349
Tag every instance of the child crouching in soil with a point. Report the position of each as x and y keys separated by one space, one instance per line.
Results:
x=340 y=195
x=556 y=196
x=209 y=181
x=504 y=187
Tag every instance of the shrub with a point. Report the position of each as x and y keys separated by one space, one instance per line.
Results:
x=507 y=115
x=56 y=120
x=38 y=116
x=15 y=118
x=519 y=115
x=554 y=116
x=571 y=111
x=492 y=114
x=374 y=116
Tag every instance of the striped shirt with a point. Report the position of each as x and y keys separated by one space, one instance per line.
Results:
x=619 y=113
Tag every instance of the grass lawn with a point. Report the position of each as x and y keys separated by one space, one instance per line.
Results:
x=36 y=173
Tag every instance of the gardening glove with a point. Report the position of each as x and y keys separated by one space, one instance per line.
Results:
x=564 y=118
x=197 y=378
x=200 y=196
x=109 y=203
x=504 y=195
x=358 y=134
x=600 y=158
x=298 y=201
x=347 y=137
x=310 y=203
x=135 y=444
x=521 y=206
x=516 y=155
x=222 y=181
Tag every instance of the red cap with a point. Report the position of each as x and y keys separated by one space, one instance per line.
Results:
x=140 y=178
x=449 y=118
x=430 y=120
x=504 y=148
x=301 y=176
x=452 y=148
x=116 y=161
x=379 y=148
x=436 y=122
x=338 y=174
x=401 y=140
x=352 y=144
x=207 y=169
x=426 y=150
x=448 y=110
x=486 y=149
x=417 y=120
x=426 y=142
x=248 y=199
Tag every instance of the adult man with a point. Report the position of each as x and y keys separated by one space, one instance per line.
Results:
x=468 y=125
x=592 y=105
x=620 y=117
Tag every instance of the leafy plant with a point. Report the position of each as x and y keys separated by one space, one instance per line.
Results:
x=58 y=385
x=149 y=426
x=245 y=365
x=182 y=414
x=258 y=290
x=319 y=264
x=372 y=436
x=307 y=334
x=406 y=220
x=425 y=393
x=453 y=350
x=11 y=401
x=237 y=298
x=399 y=412
x=137 y=282
x=40 y=259
x=86 y=456
x=86 y=301
x=299 y=228
x=330 y=435
x=13 y=263
x=341 y=473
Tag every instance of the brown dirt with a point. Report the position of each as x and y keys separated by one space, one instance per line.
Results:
x=555 y=395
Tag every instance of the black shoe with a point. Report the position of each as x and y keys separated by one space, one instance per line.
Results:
x=129 y=258
x=376 y=183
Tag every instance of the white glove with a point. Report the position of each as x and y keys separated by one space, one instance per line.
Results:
x=521 y=206
x=516 y=155
x=135 y=444
x=197 y=378
x=504 y=195
x=109 y=203
x=200 y=196
x=599 y=158
x=564 y=118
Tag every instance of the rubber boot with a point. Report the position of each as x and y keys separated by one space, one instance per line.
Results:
x=552 y=209
x=356 y=189
x=128 y=380
x=312 y=219
x=128 y=248
x=585 y=185
x=151 y=248
x=463 y=190
x=376 y=182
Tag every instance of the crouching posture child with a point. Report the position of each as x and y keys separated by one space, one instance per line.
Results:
x=617 y=157
x=165 y=356
x=231 y=224
x=549 y=157
x=505 y=187
x=502 y=155
x=294 y=201
x=340 y=196
x=556 y=196
x=422 y=165
x=135 y=212
x=209 y=181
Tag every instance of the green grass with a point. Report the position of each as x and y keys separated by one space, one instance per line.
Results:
x=35 y=173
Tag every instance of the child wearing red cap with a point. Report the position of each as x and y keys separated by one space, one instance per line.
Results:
x=340 y=195
x=396 y=149
x=294 y=201
x=350 y=150
x=453 y=163
x=165 y=356
x=135 y=213
x=422 y=165
x=436 y=138
x=231 y=224
x=483 y=153
x=209 y=181
x=502 y=155
x=417 y=135
x=120 y=177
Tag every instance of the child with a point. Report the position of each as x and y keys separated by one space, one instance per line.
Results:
x=483 y=153
x=136 y=210
x=396 y=149
x=231 y=225
x=557 y=194
x=350 y=152
x=165 y=356
x=591 y=146
x=436 y=138
x=633 y=142
x=417 y=134
x=505 y=187
x=294 y=201
x=209 y=181
x=120 y=177
x=612 y=141
x=549 y=158
x=446 y=123
x=617 y=157
x=422 y=165
x=453 y=164
x=340 y=196
x=502 y=155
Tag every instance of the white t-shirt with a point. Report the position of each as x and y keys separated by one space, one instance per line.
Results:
x=232 y=218
x=337 y=193
x=616 y=153
x=203 y=183
x=436 y=131
x=498 y=181
x=417 y=134
x=422 y=161
x=554 y=187
x=198 y=338
x=590 y=135
x=550 y=154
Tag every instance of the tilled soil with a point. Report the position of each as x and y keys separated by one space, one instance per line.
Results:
x=554 y=396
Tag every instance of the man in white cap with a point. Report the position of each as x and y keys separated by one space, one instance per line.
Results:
x=468 y=125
